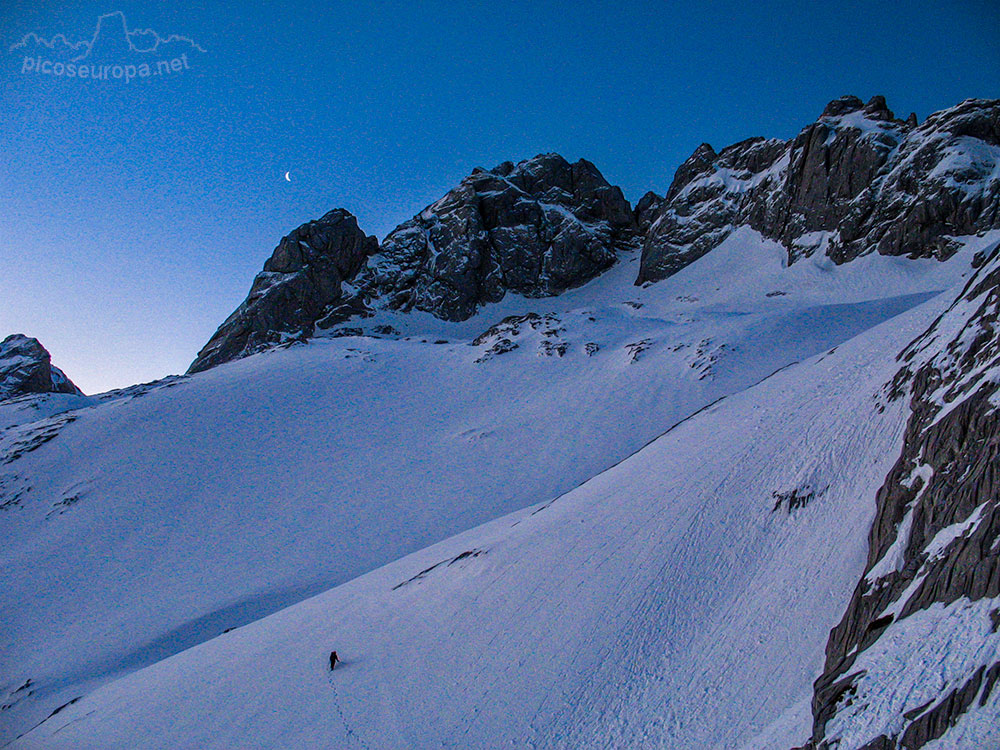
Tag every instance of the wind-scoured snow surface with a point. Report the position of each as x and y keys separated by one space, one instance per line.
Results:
x=678 y=596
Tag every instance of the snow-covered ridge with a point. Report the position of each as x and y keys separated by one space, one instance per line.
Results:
x=855 y=181
x=535 y=505
x=662 y=601
x=533 y=229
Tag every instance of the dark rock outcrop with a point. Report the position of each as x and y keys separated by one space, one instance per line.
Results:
x=26 y=368
x=856 y=181
x=934 y=547
x=942 y=181
x=703 y=204
x=301 y=284
x=645 y=211
x=536 y=229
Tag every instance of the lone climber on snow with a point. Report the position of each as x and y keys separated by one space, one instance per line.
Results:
x=333 y=660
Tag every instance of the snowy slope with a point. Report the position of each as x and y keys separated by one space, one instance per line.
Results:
x=159 y=517
x=675 y=600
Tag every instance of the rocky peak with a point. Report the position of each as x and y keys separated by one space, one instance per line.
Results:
x=26 y=368
x=703 y=203
x=876 y=109
x=645 y=210
x=830 y=163
x=696 y=165
x=301 y=283
x=551 y=172
x=974 y=118
x=942 y=181
x=855 y=181
x=842 y=106
x=330 y=240
x=535 y=228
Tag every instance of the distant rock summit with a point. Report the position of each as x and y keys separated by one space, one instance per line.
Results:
x=856 y=181
x=26 y=368
x=536 y=229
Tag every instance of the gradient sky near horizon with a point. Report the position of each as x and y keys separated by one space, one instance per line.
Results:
x=134 y=216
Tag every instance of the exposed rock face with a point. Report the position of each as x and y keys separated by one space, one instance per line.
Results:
x=857 y=180
x=918 y=650
x=645 y=211
x=942 y=181
x=704 y=203
x=301 y=283
x=536 y=228
x=26 y=368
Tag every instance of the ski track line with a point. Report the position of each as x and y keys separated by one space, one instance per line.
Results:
x=343 y=718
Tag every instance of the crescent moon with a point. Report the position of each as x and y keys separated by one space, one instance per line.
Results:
x=287 y=178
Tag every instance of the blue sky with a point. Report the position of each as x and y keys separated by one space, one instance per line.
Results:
x=134 y=215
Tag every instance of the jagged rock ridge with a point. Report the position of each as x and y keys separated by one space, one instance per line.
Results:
x=856 y=181
x=536 y=229
x=918 y=650
x=26 y=368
